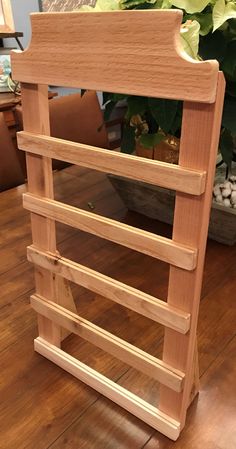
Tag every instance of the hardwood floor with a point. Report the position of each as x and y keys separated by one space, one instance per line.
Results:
x=43 y=407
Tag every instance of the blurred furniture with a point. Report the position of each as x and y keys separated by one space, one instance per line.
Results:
x=11 y=173
x=74 y=118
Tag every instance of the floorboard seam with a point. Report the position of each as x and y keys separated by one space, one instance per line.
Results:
x=84 y=411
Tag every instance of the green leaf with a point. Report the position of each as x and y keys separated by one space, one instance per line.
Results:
x=136 y=105
x=102 y=5
x=176 y=125
x=229 y=114
x=132 y=4
x=231 y=88
x=226 y=146
x=189 y=34
x=223 y=11
x=150 y=140
x=191 y=6
x=229 y=63
x=213 y=46
x=164 y=112
x=128 y=140
x=205 y=21
x=163 y=4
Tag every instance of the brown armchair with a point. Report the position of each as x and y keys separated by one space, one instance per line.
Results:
x=11 y=173
x=75 y=118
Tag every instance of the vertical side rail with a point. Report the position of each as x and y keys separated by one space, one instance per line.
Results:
x=40 y=182
x=199 y=144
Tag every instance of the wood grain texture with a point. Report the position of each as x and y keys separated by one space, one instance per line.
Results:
x=108 y=388
x=142 y=361
x=123 y=294
x=159 y=173
x=125 y=58
x=198 y=148
x=40 y=181
x=153 y=245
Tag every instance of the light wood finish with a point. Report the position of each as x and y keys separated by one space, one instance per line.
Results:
x=140 y=360
x=134 y=299
x=199 y=143
x=130 y=402
x=8 y=26
x=156 y=40
x=154 y=172
x=40 y=182
x=145 y=242
x=115 y=64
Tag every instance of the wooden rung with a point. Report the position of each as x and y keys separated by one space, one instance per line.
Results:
x=130 y=402
x=140 y=360
x=127 y=296
x=153 y=172
x=153 y=245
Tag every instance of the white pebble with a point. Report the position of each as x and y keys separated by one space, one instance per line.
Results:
x=227 y=185
x=233 y=187
x=233 y=197
x=226 y=202
x=219 y=199
x=216 y=190
x=234 y=206
x=232 y=178
x=226 y=193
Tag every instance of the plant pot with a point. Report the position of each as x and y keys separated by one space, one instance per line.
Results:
x=158 y=203
x=165 y=151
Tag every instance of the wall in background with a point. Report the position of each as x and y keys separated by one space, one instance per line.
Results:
x=21 y=10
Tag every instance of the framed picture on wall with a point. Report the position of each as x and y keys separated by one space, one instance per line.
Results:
x=63 y=5
x=6 y=17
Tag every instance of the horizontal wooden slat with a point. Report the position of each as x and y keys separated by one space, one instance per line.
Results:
x=130 y=402
x=119 y=348
x=153 y=172
x=137 y=239
x=139 y=54
x=127 y=296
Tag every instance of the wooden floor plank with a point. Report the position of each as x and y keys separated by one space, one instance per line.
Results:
x=210 y=427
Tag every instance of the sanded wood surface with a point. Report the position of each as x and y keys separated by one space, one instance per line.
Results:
x=40 y=181
x=119 y=348
x=108 y=388
x=198 y=148
x=126 y=57
x=139 y=240
x=127 y=296
x=154 y=172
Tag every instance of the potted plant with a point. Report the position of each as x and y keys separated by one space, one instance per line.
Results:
x=152 y=126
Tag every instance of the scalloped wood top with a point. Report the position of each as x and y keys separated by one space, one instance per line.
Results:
x=135 y=52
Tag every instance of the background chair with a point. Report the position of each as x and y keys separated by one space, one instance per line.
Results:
x=11 y=173
x=74 y=118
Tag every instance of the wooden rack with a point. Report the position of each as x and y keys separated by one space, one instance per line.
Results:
x=141 y=55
